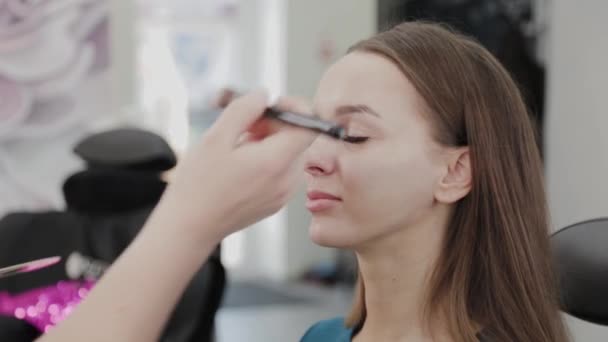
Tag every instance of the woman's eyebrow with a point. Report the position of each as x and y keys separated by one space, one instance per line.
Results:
x=354 y=109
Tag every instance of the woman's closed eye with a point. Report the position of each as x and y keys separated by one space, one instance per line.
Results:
x=355 y=139
x=356 y=133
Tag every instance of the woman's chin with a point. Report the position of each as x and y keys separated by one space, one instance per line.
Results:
x=325 y=236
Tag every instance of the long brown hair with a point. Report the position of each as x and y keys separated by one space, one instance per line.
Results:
x=495 y=266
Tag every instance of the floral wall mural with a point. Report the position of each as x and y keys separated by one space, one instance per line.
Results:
x=54 y=61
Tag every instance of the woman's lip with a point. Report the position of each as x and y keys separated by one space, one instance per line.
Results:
x=320 y=201
x=320 y=195
x=318 y=205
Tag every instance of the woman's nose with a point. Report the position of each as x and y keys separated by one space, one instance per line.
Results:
x=321 y=157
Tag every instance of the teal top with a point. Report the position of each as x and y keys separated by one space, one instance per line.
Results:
x=334 y=330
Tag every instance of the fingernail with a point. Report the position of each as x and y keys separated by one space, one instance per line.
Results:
x=273 y=97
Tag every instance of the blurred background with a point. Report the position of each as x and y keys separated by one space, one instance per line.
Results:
x=98 y=98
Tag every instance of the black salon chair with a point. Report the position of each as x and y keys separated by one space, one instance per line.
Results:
x=106 y=206
x=581 y=257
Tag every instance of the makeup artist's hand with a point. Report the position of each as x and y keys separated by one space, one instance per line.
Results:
x=244 y=169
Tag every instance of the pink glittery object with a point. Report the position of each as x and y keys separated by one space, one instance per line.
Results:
x=45 y=307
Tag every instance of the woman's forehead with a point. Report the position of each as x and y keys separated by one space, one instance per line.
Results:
x=363 y=78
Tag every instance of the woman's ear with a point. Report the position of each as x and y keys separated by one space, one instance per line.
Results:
x=457 y=179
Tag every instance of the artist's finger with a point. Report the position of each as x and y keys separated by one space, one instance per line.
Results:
x=239 y=116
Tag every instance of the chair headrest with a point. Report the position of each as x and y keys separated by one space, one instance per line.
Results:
x=581 y=257
x=108 y=191
x=127 y=148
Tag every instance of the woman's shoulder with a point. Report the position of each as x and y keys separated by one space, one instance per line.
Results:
x=332 y=330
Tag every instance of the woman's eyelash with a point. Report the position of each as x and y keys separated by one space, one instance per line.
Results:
x=355 y=140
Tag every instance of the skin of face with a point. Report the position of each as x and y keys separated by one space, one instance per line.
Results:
x=358 y=193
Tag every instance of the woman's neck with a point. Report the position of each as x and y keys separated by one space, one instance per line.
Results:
x=396 y=271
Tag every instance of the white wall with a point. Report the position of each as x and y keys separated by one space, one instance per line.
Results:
x=577 y=139
x=577 y=121
x=122 y=52
x=342 y=22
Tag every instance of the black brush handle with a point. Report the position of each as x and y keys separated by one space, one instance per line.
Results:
x=310 y=122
